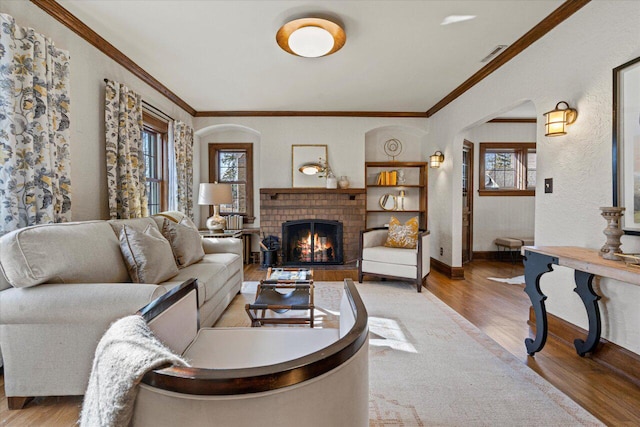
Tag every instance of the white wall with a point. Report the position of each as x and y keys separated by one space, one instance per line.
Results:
x=274 y=136
x=496 y=216
x=572 y=63
x=89 y=67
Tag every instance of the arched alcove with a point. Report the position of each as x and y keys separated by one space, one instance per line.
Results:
x=227 y=128
x=224 y=133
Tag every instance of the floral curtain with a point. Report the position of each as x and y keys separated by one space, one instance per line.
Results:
x=183 y=155
x=35 y=182
x=126 y=178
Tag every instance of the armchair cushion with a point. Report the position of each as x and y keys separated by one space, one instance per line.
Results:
x=390 y=255
x=402 y=236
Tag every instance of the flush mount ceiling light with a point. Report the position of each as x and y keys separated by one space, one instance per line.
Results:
x=452 y=19
x=311 y=37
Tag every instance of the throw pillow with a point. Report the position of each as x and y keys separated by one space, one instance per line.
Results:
x=402 y=236
x=147 y=254
x=185 y=241
x=187 y=221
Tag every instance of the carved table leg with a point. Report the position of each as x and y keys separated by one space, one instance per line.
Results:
x=535 y=265
x=584 y=288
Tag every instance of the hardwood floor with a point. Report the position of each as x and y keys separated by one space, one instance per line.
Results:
x=501 y=310
x=498 y=309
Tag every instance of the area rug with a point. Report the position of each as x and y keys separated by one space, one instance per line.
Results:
x=428 y=366
x=518 y=280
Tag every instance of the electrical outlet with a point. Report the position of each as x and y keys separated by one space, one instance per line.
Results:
x=441 y=251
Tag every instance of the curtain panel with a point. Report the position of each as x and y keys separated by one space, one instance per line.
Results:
x=126 y=178
x=183 y=155
x=35 y=180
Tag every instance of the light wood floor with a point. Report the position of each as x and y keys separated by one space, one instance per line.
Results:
x=498 y=309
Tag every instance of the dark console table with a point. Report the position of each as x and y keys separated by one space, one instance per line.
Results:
x=587 y=264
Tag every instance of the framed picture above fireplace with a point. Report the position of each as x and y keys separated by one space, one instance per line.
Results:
x=303 y=155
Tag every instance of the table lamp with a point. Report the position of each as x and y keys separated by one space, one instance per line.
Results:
x=215 y=194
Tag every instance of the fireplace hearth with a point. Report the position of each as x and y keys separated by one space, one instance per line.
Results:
x=311 y=242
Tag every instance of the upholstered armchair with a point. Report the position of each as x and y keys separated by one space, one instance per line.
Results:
x=393 y=263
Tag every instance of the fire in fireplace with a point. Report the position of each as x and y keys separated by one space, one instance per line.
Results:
x=311 y=241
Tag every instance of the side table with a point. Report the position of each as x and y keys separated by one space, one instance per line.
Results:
x=221 y=234
x=539 y=260
x=298 y=295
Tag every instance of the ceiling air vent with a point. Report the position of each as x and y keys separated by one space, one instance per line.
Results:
x=498 y=49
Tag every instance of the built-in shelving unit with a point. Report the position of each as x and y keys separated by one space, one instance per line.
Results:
x=414 y=186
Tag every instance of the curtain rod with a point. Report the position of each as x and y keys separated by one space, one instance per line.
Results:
x=151 y=106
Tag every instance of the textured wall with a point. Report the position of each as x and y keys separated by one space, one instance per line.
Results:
x=573 y=63
x=89 y=67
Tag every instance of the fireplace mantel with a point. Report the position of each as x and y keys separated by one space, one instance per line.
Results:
x=273 y=192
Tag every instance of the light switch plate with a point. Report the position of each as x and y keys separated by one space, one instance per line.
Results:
x=548 y=185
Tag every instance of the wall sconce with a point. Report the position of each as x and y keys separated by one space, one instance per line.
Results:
x=558 y=119
x=436 y=159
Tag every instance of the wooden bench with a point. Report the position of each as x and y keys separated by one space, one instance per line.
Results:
x=512 y=245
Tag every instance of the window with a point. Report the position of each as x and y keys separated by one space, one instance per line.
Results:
x=507 y=169
x=154 y=148
x=233 y=164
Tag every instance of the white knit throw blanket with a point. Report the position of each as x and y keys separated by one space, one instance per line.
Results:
x=124 y=354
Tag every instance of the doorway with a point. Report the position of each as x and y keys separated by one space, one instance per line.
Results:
x=467 y=201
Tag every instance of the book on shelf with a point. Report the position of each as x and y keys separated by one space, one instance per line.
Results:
x=234 y=222
x=387 y=178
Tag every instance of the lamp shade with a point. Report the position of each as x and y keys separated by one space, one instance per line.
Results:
x=214 y=194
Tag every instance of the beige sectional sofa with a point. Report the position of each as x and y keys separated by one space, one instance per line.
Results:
x=64 y=284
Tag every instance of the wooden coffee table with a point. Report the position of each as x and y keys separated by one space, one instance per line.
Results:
x=284 y=289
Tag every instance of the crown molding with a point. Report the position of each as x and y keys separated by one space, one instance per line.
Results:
x=394 y=114
x=556 y=17
x=513 y=120
x=70 y=21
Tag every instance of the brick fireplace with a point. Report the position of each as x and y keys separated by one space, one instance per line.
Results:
x=278 y=205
